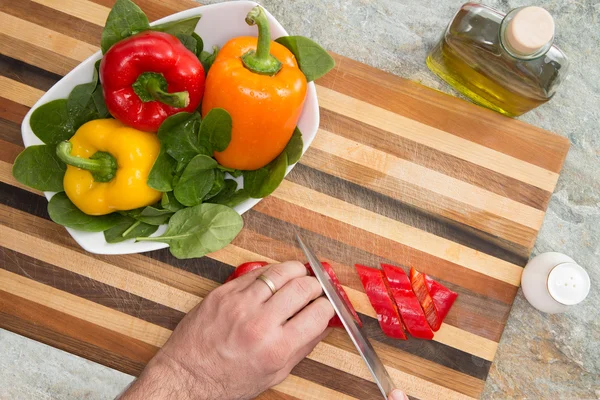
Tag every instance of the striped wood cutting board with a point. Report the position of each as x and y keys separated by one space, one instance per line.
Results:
x=398 y=173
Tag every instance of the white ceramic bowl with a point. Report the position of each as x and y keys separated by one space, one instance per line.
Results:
x=219 y=23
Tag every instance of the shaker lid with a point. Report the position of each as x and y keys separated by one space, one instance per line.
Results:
x=530 y=29
x=568 y=283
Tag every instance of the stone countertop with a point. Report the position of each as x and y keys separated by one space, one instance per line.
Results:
x=540 y=356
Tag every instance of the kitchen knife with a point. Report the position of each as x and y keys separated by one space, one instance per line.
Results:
x=381 y=376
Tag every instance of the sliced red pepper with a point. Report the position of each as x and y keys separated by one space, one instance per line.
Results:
x=245 y=268
x=417 y=280
x=408 y=304
x=442 y=297
x=387 y=313
x=335 y=322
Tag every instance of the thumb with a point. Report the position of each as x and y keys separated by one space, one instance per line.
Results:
x=397 y=394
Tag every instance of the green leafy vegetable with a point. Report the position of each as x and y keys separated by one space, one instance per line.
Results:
x=196 y=181
x=169 y=202
x=199 y=44
x=215 y=130
x=188 y=41
x=229 y=196
x=86 y=101
x=154 y=216
x=125 y=19
x=64 y=212
x=262 y=182
x=128 y=228
x=294 y=147
x=217 y=186
x=40 y=168
x=199 y=230
x=312 y=59
x=161 y=175
x=51 y=122
x=207 y=59
x=180 y=27
x=179 y=136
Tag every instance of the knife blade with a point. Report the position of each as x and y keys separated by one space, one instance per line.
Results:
x=364 y=347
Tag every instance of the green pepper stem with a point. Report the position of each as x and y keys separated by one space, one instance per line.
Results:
x=261 y=61
x=102 y=165
x=177 y=99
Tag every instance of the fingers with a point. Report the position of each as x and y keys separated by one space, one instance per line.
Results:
x=309 y=323
x=278 y=274
x=307 y=348
x=293 y=297
x=397 y=394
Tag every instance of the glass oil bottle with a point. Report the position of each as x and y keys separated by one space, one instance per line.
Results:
x=507 y=63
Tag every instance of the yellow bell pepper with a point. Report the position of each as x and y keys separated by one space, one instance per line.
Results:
x=107 y=167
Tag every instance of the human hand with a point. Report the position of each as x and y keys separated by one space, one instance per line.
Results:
x=241 y=340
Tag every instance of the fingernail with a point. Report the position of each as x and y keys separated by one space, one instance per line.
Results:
x=398 y=395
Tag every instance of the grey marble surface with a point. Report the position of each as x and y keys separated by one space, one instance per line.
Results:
x=540 y=356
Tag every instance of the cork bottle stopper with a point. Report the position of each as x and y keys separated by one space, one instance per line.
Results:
x=530 y=30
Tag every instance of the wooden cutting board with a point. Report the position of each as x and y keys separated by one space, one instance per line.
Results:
x=398 y=173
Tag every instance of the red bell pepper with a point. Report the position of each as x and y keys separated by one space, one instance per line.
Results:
x=442 y=297
x=373 y=281
x=148 y=77
x=335 y=322
x=408 y=304
x=417 y=280
x=244 y=268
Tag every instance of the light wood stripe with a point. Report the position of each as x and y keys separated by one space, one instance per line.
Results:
x=82 y=9
x=19 y=92
x=428 y=179
x=157 y=336
x=399 y=232
x=305 y=389
x=437 y=139
x=45 y=38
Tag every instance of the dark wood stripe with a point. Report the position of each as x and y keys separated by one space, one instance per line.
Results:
x=10 y=133
x=335 y=379
x=444 y=112
x=414 y=206
x=12 y=112
x=433 y=159
x=90 y=289
x=73 y=335
x=28 y=74
x=66 y=24
x=155 y=9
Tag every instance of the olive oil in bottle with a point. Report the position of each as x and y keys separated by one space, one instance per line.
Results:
x=503 y=62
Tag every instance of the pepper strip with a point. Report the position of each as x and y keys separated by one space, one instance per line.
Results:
x=417 y=280
x=388 y=316
x=442 y=297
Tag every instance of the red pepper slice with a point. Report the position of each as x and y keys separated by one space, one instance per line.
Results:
x=408 y=304
x=148 y=77
x=442 y=297
x=387 y=313
x=335 y=322
x=417 y=280
x=244 y=268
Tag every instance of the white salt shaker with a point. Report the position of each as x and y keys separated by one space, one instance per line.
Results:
x=552 y=282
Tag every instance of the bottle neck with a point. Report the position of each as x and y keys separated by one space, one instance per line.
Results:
x=505 y=40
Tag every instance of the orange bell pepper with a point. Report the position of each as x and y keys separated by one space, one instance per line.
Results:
x=259 y=83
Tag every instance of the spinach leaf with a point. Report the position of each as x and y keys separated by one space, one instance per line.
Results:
x=199 y=230
x=169 y=202
x=294 y=147
x=217 y=186
x=154 y=216
x=199 y=44
x=161 y=175
x=40 y=168
x=262 y=182
x=179 y=136
x=312 y=59
x=86 y=101
x=176 y=28
x=215 y=130
x=207 y=59
x=128 y=228
x=234 y=172
x=196 y=181
x=188 y=41
x=51 y=122
x=228 y=189
x=125 y=19
x=64 y=212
